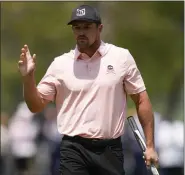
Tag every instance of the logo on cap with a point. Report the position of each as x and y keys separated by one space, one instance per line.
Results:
x=80 y=12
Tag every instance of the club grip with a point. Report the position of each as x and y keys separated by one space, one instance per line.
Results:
x=140 y=140
x=132 y=123
x=136 y=133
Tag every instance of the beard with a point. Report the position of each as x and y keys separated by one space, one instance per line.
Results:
x=83 y=44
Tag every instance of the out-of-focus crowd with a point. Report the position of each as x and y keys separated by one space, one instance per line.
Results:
x=30 y=144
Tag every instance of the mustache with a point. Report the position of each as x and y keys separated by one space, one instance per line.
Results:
x=82 y=37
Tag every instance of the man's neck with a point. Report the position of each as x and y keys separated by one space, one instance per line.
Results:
x=92 y=49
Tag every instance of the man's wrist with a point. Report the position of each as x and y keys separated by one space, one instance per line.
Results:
x=29 y=77
x=150 y=146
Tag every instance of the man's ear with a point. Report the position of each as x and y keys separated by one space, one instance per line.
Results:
x=101 y=27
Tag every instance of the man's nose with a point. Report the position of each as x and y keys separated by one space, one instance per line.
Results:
x=81 y=32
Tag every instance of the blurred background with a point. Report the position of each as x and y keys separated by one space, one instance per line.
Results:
x=154 y=34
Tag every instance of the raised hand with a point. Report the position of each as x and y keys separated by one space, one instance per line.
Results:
x=26 y=63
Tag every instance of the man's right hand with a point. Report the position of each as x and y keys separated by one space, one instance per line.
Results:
x=26 y=63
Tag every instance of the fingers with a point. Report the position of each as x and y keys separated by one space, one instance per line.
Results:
x=156 y=162
x=23 y=55
x=151 y=160
x=148 y=162
x=23 y=51
x=20 y=65
x=34 y=58
x=26 y=48
x=147 y=159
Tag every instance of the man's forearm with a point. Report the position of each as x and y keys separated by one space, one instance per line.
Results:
x=146 y=118
x=31 y=94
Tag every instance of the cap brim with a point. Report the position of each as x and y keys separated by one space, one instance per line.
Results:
x=82 y=19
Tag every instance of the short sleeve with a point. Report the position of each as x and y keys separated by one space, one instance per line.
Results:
x=133 y=81
x=47 y=85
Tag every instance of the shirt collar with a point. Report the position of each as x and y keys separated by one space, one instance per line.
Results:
x=100 y=51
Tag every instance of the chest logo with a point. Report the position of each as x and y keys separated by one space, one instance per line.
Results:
x=110 y=69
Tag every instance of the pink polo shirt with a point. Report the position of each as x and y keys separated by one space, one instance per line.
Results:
x=90 y=94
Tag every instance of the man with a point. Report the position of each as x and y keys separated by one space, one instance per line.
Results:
x=5 y=143
x=23 y=131
x=89 y=86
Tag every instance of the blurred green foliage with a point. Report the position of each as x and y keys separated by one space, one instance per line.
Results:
x=152 y=31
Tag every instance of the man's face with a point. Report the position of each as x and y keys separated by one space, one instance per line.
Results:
x=86 y=33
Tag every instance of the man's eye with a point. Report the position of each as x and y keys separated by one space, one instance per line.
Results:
x=86 y=27
x=77 y=28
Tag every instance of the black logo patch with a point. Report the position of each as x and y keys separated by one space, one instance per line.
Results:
x=110 y=67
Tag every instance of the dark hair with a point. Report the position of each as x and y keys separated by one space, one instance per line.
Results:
x=97 y=24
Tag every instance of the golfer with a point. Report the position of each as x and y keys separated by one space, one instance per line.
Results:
x=90 y=85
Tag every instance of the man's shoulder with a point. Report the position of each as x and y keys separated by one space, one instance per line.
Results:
x=119 y=49
x=65 y=56
x=120 y=54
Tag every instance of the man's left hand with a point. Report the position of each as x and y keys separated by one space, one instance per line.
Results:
x=151 y=157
